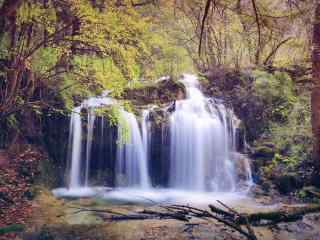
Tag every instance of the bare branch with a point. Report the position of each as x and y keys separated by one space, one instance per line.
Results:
x=255 y=9
x=206 y=11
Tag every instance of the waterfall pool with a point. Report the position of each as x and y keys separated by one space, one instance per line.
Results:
x=152 y=196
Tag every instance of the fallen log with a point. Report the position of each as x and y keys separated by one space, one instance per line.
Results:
x=267 y=218
x=275 y=217
x=313 y=193
x=240 y=222
x=110 y=215
x=201 y=213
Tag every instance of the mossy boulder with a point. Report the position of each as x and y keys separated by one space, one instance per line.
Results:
x=315 y=180
x=288 y=183
x=160 y=92
x=309 y=193
x=264 y=152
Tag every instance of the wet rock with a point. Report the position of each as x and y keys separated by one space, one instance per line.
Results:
x=288 y=183
x=164 y=91
x=262 y=155
x=315 y=180
x=266 y=186
x=309 y=192
x=55 y=135
x=242 y=163
x=264 y=152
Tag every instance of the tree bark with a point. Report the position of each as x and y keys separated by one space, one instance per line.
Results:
x=315 y=95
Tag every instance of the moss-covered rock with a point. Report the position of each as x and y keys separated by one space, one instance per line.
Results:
x=265 y=153
x=288 y=183
x=164 y=91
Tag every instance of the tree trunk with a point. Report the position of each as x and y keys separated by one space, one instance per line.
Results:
x=315 y=96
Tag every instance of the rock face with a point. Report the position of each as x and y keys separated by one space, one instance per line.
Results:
x=263 y=153
x=159 y=147
x=288 y=183
x=163 y=91
x=55 y=135
x=234 y=87
x=103 y=152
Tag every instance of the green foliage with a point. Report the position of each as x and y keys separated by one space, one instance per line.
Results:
x=12 y=122
x=124 y=133
x=119 y=38
x=44 y=60
x=273 y=87
x=71 y=86
x=293 y=139
x=101 y=73
x=276 y=91
x=287 y=117
x=4 y=47
x=108 y=50
x=115 y=118
x=111 y=113
x=169 y=53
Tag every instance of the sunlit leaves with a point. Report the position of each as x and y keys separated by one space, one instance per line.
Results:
x=99 y=47
x=44 y=59
x=38 y=14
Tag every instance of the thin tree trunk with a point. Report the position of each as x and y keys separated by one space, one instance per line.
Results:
x=315 y=96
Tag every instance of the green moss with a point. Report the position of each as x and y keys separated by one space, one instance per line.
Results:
x=264 y=152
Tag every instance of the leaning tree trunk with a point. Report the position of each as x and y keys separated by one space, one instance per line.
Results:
x=315 y=96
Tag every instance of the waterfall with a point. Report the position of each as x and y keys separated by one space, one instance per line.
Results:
x=75 y=146
x=90 y=125
x=190 y=145
x=200 y=143
x=145 y=129
x=131 y=154
x=75 y=140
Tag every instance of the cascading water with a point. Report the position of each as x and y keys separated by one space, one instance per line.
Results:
x=90 y=125
x=131 y=154
x=131 y=159
x=145 y=129
x=200 y=145
x=75 y=144
x=75 y=141
x=197 y=146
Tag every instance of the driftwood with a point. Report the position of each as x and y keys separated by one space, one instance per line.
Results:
x=240 y=222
